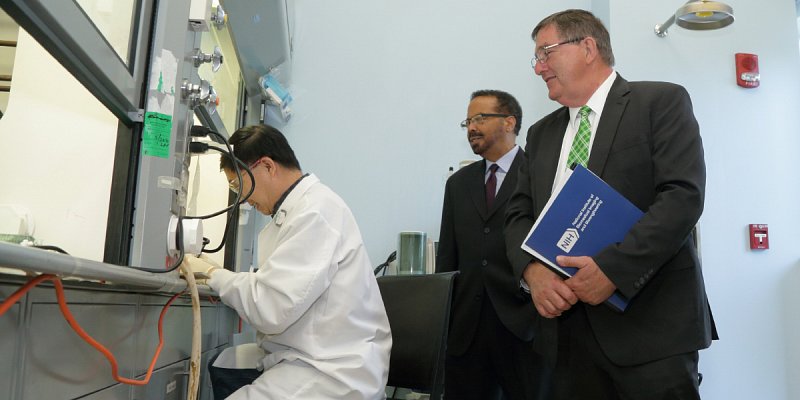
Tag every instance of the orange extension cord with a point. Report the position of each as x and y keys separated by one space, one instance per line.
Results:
x=62 y=304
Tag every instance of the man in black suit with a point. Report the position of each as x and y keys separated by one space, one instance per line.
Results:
x=489 y=351
x=645 y=143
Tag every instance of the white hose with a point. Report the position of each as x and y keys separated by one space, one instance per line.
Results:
x=194 y=363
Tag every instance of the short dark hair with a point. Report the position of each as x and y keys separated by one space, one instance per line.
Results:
x=506 y=104
x=573 y=24
x=255 y=141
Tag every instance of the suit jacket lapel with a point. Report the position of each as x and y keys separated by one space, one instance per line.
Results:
x=477 y=187
x=546 y=163
x=615 y=105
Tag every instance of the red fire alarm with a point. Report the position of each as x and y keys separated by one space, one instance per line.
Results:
x=759 y=237
x=747 y=75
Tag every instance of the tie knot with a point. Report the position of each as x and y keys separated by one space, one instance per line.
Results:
x=584 y=111
x=493 y=168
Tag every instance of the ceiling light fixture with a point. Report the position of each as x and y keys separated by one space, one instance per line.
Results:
x=699 y=15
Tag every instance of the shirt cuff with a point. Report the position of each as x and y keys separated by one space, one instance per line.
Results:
x=524 y=286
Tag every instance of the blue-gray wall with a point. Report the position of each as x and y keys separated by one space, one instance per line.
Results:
x=380 y=86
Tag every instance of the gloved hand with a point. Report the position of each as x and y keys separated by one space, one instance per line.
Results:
x=202 y=267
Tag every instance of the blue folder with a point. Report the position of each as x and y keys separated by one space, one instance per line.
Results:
x=584 y=216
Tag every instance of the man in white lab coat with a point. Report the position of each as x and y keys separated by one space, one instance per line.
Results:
x=314 y=300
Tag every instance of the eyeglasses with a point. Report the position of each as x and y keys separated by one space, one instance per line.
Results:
x=541 y=55
x=233 y=184
x=478 y=119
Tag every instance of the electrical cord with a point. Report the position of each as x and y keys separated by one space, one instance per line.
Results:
x=239 y=200
x=385 y=264
x=201 y=131
x=205 y=147
x=52 y=248
x=62 y=305
x=178 y=245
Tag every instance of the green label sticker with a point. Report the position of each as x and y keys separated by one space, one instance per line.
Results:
x=156 y=135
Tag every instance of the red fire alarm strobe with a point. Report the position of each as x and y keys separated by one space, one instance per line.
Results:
x=747 y=75
x=759 y=237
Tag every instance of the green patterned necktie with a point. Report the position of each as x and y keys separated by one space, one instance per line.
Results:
x=579 y=153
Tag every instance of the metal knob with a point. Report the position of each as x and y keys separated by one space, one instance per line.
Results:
x=215 y=58
x=196 y=94
x=219 y=17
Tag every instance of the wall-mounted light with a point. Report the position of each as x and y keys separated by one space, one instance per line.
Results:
x=699 y=15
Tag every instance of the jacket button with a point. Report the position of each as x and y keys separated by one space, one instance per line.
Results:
x=484 y=263
x=486 y=230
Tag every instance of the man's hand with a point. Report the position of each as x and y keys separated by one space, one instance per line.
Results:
x=550 y=294
x=202 y=267
x=590 y=284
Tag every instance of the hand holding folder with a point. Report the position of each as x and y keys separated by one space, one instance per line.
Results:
x=589 y=282
x=583 y=216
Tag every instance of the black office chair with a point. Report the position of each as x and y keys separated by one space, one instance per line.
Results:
x=418 y=307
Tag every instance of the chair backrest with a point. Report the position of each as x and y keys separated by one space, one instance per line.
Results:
x=418 y=307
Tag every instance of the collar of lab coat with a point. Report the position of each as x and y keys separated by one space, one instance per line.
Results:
x=288 y=190
x=292 y=196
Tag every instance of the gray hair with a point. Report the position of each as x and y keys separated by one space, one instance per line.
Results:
x=573 y=24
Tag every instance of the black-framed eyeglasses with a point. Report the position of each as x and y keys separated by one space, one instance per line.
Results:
x=478 y=119
x=541 y=55
x=233 y=184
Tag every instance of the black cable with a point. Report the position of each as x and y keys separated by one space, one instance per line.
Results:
x=48 y=247
x=239 y=199
x=179 y=245
x=233 y=214
x=201 y=131
x=198 y=147
x=385 y=264
x=237 y=162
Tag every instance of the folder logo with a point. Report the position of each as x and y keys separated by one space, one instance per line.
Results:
x=568 y=240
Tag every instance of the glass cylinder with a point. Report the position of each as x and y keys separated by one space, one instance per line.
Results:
x=411 y=253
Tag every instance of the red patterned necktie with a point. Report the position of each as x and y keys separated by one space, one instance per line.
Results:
x=491 y=186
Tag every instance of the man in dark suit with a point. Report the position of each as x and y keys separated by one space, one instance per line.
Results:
x=489 y=351
x=644 y=141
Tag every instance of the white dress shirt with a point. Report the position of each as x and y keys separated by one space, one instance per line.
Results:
x=503 y=166
x=596 y=103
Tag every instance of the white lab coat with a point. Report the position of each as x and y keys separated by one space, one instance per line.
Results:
x=314 y=302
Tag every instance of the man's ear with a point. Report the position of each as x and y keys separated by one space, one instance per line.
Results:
x=270 y=165
x=509 y=123
x=589 y=45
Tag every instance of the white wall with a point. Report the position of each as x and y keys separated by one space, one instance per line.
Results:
x=750 y=140
x=380 y=86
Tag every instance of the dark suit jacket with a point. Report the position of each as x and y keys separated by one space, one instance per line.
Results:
x=471 y=241
x=647 y=147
